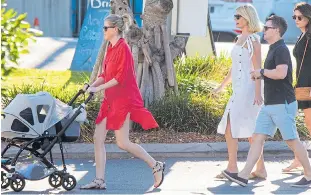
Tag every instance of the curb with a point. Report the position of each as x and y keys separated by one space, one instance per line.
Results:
x=184 y=150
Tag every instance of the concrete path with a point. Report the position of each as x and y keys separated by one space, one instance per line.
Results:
x=57 y=53
x=183 y=176
x=218 y=149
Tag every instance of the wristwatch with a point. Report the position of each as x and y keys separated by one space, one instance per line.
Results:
x=262 y=71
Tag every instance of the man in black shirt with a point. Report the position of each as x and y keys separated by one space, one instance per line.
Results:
x=280 y=105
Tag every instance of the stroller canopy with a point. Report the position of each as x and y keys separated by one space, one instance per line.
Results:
x=38 y=111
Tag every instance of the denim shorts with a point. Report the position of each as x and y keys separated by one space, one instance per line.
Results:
x=279 y=116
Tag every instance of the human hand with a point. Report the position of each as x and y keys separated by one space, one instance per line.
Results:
x=255 y=74
x=92 y=90
x=85 y=87
x=258 y=100
x=216 y=91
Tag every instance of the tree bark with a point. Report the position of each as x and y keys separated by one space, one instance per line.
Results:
x=153 y=53
x=97 y=69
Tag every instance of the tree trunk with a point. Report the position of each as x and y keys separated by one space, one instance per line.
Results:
x=152 y=50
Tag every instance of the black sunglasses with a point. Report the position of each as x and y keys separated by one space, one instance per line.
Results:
x=265 y=28
x=297 y=17
x=106 y=27
x=237 y=16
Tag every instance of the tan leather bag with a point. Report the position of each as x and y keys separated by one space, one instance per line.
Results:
x=302 y=93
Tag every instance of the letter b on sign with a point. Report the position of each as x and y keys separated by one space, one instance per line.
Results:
x=99 y=3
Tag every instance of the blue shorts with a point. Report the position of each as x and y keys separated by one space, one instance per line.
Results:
x=279 y=116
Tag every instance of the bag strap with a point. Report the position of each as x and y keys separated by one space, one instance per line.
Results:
x=303 y=57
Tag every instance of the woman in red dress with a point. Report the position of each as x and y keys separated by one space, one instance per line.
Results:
x=122 y=103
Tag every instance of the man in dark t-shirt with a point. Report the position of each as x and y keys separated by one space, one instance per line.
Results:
x=280 y=105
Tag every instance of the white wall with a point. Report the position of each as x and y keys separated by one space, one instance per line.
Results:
x=54 y=15
x=189 y=17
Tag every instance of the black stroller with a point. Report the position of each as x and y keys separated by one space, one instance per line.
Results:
x=35 y=123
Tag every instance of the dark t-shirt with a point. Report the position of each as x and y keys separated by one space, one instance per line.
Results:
x=278 y=91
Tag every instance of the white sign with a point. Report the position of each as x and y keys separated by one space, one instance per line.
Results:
x=189 y=18
x=98 y=4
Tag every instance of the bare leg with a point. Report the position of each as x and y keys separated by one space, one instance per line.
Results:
x=295 y=164
x=232 y=145
x=260 y=166
x=302 y=155
x=307 y=113
x=254 y=154
x=100 y=150
x=100 y=157
x=122 y=137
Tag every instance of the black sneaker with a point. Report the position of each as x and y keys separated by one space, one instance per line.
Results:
x=302 y=183
x=235 y=178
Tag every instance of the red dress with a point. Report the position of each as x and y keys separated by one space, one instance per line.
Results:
x=124 y=97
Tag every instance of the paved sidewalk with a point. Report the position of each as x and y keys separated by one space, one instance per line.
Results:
x=183 y=176
x=56 y=53
x=219 y=149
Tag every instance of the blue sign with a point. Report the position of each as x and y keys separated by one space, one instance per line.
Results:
x=137 y=8
x=91 y=35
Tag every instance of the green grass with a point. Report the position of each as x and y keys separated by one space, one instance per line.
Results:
x=59 y=79
x=61 y=84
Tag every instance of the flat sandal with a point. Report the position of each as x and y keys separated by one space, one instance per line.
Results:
x=95 y=184
x=159 y=167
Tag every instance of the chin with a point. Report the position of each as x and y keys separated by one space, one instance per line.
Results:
x=265 y=38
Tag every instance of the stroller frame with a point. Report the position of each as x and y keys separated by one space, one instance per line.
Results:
x=58 y=177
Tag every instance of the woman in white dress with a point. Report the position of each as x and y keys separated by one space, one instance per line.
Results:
x=240 y=115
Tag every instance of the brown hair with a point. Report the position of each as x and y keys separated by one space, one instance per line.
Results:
x=278 y=22
x=305 y=10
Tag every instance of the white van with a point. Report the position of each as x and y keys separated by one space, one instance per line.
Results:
x=222 y=16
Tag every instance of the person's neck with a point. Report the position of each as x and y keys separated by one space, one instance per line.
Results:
x=245 y=31
x=114 y=40
x=303 y=30
x=274 y=40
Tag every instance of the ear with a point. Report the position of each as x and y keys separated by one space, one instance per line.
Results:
x=278 y=30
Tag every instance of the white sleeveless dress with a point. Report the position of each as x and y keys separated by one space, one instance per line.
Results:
x=240 y=108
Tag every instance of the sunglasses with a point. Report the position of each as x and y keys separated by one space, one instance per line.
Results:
x=106 y=27
x=297 y=17
x=237 y=16
x=265 y=28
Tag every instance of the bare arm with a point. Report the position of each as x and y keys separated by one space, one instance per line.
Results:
x=277 y=74
x=113 y=82
x=227 y=80
x=256 y=60
x=282 y=61
x=99 y=81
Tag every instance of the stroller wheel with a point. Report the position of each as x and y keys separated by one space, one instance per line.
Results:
x=18 y=183
x=55 y=179
x=69 y=182
x=5 y=182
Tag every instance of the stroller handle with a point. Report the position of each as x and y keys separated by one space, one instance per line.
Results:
x=81 y=91
x=89 y=98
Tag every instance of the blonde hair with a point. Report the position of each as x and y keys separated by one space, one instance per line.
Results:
x=250 y=14
x=121 y=22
